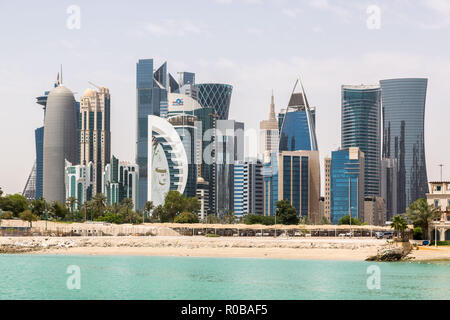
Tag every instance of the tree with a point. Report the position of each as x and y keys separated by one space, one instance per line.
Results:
x=259 y=219
x=111 y=218
x=186 y=217
x=15 y=203
x=148 y=207
x=229 y=218
x=99 y=201
x=422 y=214
x=70 y=203
x=324 y=221
x=174 y=204
x=286 y=213
x=417 y=233
x=1 y=192
x=159 y=215
x=128 y=204
x=192 y=204
x=305 y=220
x=399 y=224
x=212 y=219
x=38 y=206
x=345 y=220
x=27 y=215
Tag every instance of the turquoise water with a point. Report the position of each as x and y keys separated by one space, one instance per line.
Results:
x=130 y=277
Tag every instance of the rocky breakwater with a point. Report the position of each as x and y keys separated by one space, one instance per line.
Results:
x=396 y=251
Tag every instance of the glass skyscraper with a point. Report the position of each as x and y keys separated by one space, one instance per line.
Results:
x=361 y=127
x=217 y=96
x=403 y=136
x=297 y=130
x=346 y=184
x=151 y=100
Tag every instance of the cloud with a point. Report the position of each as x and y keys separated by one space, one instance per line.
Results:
x=441 y=10
x=172 y=28
x=336 y=9
x=224 y=1
x=292 y=13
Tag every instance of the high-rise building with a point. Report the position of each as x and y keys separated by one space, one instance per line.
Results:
x=297 y=131
x=270 y=176
x=121 y=181
x=217 y=96
x=327 y=198
x=347 y=184
x=389 y=171
x=269 y=136
x=60 y=141
x=361 y=127
x=299 y=181
x=202 y=195
x=29 y=191
x=403 y=136
x=79 y=182
x=94 y=122
x=151 y=87
x=248 y=187
x=167 y=161
x=229 y=147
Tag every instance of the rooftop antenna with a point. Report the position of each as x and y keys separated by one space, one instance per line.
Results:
x=61 y=76
x=441 y=165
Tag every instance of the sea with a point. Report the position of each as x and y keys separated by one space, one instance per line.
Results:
x=141 y=277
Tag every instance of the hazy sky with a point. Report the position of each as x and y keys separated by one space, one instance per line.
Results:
x=255 y=45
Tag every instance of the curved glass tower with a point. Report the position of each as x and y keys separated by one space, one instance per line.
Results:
x=217 y=96
x=403 y=136
x=361 y=127
x=298 y=124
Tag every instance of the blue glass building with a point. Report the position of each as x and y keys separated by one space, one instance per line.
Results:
x=270 y=174
x=217 y=96
x=361 y=127
x=346 y=184
x=403 y=136
x=297 y=130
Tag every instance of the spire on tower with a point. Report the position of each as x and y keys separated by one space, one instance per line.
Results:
x=272 y=108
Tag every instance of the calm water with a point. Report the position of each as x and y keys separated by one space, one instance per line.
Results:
x=105 y=277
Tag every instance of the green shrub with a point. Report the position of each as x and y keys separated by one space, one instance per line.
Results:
x=7 y=215
x=212 y=235
x=186 y=217
x=418 y=233
x=258 y=219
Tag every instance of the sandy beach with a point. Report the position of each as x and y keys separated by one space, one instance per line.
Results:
x=356 y=249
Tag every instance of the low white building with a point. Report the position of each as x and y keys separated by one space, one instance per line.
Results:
x=439 y=197
x=79 y=182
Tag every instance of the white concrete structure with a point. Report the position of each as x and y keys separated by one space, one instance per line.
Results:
x=269 y=136
x=79 y=182
x=439 y=197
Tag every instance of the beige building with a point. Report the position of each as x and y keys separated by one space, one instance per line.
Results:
x=268 y=132
x=95 y=133
x=374 y=211
x=439 y=197
x=299 y=181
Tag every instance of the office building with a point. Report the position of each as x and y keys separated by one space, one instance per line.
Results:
x=121 y=181
x=79 y=182
x=403 y=136
x=60 y=141
x=268 y=132
x=361 y=128
x=94 y=122
x=248 y=187
x=167 y=161
x=217 y=96
x=347 y=184
x=389 y=171
x=202 y=195
x=374 y=211
x=270 y=176
x=327 y=198
x=299 y=181
x=297 y=131
x=29 y=192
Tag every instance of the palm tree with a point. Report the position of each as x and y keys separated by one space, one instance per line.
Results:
x=148 y=206
x=99 y=201
x=70 y=203
x=399 y=224
x=422 y=214
x=128 y=205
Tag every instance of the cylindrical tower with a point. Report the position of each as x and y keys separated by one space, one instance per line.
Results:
x=60 y=141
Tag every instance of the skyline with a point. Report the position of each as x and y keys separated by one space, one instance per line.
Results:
x=92 y=54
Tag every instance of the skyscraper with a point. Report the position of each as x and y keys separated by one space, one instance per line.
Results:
x=403 y=136
x=95 y=133
x=60 y=141
x=248 y=187
x=268 y=132
x=389 y=188
x=327 y=200
x=297 y=130
x=361 y=127
x=152 y=91
x=270 y=176
x=217 y=96
x=347 y=184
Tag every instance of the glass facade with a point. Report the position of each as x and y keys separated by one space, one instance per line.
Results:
x=346 y=185
x=403 y=136
x=270 y=173
x=217 y=96
x=361 y=127
x=151 y=100
x=296 y=132
x=39 y=140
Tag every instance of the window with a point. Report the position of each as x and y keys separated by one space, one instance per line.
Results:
x=436 y=203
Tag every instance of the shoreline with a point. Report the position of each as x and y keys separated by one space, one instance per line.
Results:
x=337 y=249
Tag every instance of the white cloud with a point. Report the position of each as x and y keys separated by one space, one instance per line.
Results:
x=325 y=5
x=224 y=1
x=292 y=13
x=173 y=28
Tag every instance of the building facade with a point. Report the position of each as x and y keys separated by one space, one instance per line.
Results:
x=439 y=197
x=389 y=171
x=299 y=181
x=347 y=184
x=374 y=211
x=269 y=136
x=361 y=127
x=121 y=181
x=217 y=96
x=248 y=187
x=79 y=182
x=94 y=123
x=403 y=136
x=270 y=176
x=327 y=198
x=60 y=141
